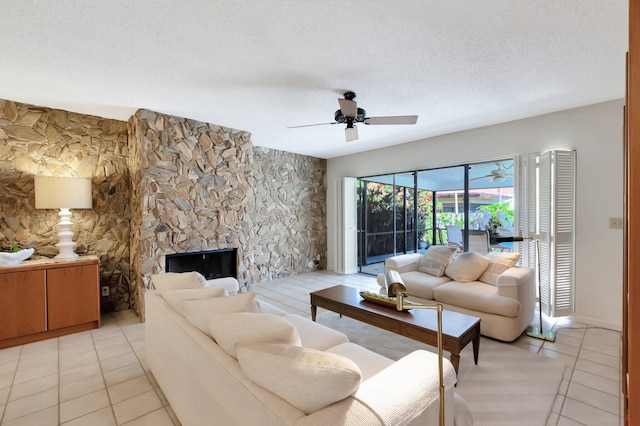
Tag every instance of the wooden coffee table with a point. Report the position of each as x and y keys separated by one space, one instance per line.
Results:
x=418 y=324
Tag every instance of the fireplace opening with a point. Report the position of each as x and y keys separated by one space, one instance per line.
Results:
x=211 y=264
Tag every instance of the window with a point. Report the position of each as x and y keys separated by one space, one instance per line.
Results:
x=408 y=212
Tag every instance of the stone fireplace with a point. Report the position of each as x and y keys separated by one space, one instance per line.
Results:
x=211 y=264
x=198 y=187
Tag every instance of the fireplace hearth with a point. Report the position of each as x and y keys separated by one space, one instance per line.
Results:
x=211 y=264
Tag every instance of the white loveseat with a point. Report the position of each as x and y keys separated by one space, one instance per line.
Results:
x=206 y=385
x=488 y=286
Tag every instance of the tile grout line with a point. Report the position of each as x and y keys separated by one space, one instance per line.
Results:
x=573 y=370
x=577 y=358
x=13 y=379
x=104 y=381
x=155 y=389
x=59 y=395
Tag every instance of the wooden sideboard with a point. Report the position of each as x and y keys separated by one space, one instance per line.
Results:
x=40 y=299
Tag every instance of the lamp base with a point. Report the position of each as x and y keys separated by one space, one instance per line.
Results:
x=65 y=234
x=538 y=333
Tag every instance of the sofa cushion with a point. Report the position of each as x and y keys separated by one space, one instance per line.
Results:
x=369 y=362
x=250 y=327
x=314 y=335
x=467 y=267
x=435 y=260
x=421 y=285
x=174 y=297
x=477 y=296
x=498 y=263
x=228 y=283
x=306 y=378
x=178 y=280
x=198 y=311
x=268 y=308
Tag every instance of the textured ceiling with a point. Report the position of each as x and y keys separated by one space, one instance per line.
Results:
x=263 y=65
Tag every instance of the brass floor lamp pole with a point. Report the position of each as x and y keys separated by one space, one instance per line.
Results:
x=396 y=288
x=532 y=331
x=539 y=332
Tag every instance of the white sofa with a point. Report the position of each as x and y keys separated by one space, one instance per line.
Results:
x=488 y=286
x=206 y=385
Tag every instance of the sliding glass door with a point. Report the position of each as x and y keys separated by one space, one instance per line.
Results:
x=408 y=212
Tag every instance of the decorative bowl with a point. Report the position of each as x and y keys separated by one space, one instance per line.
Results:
x=15 y=258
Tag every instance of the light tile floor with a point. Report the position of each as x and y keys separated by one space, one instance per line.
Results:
x=100 y=377
x=96 y=377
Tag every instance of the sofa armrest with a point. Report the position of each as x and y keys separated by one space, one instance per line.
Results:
x=402 y=263
x=518 y=283
x=516 y=276
x=411 y=389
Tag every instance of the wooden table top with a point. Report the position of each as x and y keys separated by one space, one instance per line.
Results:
x=454 y=324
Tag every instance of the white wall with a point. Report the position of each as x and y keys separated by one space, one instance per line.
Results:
x=594 y=131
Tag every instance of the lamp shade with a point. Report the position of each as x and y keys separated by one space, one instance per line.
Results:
x=62 y=193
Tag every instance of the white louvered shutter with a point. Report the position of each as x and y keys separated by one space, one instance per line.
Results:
x=544 y=228
x=564 y=233
x=347 y=238
x=547 y=214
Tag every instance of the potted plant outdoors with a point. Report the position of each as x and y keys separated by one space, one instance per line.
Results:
x=492 y=226
x=496 y=210
x=12 y=253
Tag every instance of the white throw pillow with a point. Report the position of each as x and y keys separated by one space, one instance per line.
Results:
x=306 y=378
x=251 y=327
x=435 y=260
x=467 y=267
x=197 y=312
x=498 y=263
x=174 y=297
x=178 y=280
x=228 y=283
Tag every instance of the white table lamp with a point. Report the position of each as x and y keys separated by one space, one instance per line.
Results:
x=64 y=194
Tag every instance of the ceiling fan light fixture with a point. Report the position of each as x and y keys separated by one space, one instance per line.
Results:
x=350 y=114
x=351 y=132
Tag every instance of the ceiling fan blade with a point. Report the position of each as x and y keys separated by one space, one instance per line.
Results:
x=351 y=133
x=481 y=177
x=311 y=125
x=348 y=107
x=397 y=119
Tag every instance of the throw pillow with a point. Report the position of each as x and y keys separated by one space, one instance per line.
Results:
x=174 y=297
x=228 y=283
x=197 y=312
x=435 y=260
x=178 y=280
x=251 y=327
x=498 y=263
x=306 y=378
x=467 y=267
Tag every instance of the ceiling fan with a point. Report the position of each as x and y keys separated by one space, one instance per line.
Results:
x=350 y=114
x=497 y=175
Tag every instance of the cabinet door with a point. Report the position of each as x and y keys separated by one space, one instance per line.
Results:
x=23 y=308
x=72 y=296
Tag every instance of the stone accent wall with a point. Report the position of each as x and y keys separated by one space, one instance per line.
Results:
x=197 y=186
x=290 y=214
x=161 y=185
x=44 y=141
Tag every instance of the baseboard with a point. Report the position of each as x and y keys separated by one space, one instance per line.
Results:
x=595 y=322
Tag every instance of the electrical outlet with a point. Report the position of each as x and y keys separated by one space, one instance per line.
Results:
x=105 y=290
x=615 y=223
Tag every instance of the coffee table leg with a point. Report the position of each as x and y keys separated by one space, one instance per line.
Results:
x=455 y=360
x=314 y=308
x=476 y=347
